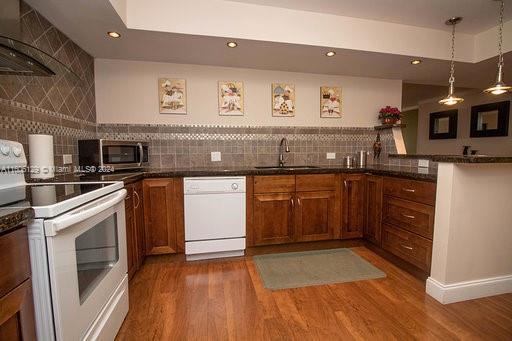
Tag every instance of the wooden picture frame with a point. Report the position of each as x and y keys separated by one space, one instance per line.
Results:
x=448 y=117
x=498 y=113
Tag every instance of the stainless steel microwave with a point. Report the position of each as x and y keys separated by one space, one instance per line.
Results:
x=111 y=154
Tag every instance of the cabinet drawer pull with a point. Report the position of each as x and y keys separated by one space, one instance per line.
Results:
x=298 y=200
x=406 y=247
x=410 y=190
x=409 y=216
x=291 y=200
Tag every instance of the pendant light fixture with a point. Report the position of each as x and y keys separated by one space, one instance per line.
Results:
x=451 y=99
x=499 y=87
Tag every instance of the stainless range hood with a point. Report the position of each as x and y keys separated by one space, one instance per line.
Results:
x=19 y=58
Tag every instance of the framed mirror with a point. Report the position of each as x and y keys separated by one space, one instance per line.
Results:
x=443 y=125
x=488 y=120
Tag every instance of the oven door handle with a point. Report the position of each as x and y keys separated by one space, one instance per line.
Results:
x=54 y=226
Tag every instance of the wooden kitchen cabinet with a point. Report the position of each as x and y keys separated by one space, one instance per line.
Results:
x=16 y=303
x=134 y=217
x=131 y=237
x=273 y=221
x=138 y=210
x=288 y=208
x=373 y=226
x=315 y=217
x=353 y=206
x=163 y=215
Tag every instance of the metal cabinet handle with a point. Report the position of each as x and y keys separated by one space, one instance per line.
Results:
x=298 y=200
x=138 y=199
x=408 y=190
x=291 y=200
x=127 y=197
x=409 y=216
x=406 y=247
x=345 y=183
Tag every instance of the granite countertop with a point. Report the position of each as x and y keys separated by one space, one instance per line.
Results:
x=10 y=217
x=455 y=158
x=427 y=174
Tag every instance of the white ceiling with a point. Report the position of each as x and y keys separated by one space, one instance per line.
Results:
x=479 y=15
x=87 y=21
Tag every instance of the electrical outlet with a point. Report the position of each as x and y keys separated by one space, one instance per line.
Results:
x=331 y=156
x=423 y=163
x=216 y=156
x=67 y=159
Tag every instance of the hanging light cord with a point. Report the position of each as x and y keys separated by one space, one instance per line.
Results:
x=452 y=64
x=500 y=34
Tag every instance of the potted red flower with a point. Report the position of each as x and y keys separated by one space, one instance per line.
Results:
x=390 y=115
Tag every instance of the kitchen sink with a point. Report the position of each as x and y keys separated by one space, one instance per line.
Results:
x=286 y=167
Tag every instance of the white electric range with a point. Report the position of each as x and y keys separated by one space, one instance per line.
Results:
x=77 y=244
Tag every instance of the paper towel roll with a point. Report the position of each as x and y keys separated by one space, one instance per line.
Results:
x=40 y=148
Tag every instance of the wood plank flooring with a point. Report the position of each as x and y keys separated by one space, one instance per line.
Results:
x=171 y=299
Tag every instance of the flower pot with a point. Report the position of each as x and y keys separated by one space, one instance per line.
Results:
x=389 y=120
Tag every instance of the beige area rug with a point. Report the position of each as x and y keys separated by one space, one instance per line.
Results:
x=301 y=269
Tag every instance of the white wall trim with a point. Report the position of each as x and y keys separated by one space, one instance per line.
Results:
x=462 y=291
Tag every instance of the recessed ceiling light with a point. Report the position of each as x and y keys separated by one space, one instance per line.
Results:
x=416 y=61
x=232 y=44
x=113 y=34
x=330 y=54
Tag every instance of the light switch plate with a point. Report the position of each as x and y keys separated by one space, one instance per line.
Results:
x=216 y=156
x=331 y=156
x=423 y=163
x=67 y=159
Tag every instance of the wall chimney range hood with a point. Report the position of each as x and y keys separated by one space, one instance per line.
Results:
x=19 y=58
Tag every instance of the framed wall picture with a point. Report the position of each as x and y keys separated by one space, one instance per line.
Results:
x=231 y=98
x=283 y=100
x=330 y=102
x=172 y=96
x=488 y=120
x=443 y=125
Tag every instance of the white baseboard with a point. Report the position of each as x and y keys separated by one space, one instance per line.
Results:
x=462 y=291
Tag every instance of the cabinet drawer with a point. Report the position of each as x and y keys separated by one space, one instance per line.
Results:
x=419 y=191
x=408 y=246
x=316 y=182
x=14 y=260
x=274 y=184
x=411 y=216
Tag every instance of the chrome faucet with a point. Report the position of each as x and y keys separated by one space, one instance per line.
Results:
x=284 y=142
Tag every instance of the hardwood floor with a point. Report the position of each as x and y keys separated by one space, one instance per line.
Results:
x=171 y=299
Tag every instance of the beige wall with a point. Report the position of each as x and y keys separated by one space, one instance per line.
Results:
x=473 y=231
x=127 y=92
x=484 y=145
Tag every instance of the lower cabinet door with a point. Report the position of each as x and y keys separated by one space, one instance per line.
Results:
x=315 y=215
x=353 y=205
x=131 y=242
x=138 y=209
x=17 y=314
x=372 y=228
x=159 y=217
x=273 y=218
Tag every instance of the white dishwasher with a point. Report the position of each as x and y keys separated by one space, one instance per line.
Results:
x=214 y=217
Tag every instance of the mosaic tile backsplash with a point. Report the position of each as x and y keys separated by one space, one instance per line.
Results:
x=179 y=146
x=49 y=105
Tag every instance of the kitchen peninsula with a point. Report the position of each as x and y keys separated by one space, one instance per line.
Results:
x=472 y=233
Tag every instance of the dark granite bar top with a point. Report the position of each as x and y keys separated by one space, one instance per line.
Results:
x=455 y=158
x=428 y=174
x=10 y=217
